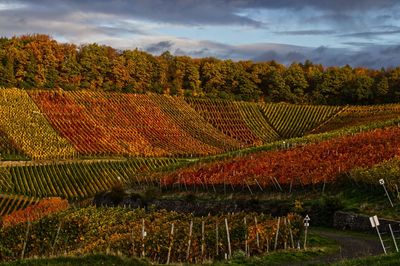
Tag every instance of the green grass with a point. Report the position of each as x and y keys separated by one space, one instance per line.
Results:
x=317 y=246
x=88 y=260
x=381 y=260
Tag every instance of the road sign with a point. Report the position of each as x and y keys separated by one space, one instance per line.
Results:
x=381 y=181
x=374 y=221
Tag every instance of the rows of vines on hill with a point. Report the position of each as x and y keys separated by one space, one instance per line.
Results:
x=25 y=126
x=9 y=149
x=358 y=115
x=78 y=179
x=301 y=165
x=296 y=120
x=226 y=117
x=194 y=239
x=254 y=119
x=89 y=137
x=193 y=123
x=12 y=203
x=118 y=124
x=389 y=171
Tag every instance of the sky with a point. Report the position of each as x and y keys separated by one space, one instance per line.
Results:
x=331 y=32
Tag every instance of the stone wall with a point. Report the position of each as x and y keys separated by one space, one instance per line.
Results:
x=359 y=222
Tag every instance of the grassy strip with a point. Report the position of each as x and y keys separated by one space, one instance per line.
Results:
x=87 y=260
x=381 y=260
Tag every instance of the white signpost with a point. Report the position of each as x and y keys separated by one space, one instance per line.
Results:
x=382 y=182
x=306 y=225
x=375 y=223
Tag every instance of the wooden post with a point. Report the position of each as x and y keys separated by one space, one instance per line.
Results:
x=216 y=238
x=291 y=234
x=247 y=184
x=305 y=238
x=259 y=185
x=277 y=233
x=257 y=236
x=170 y=243
x=285 y=241
x=228 y=238
x=143 y=236
x=189 y=241
x=202 y=240
x=133 y=244
x=26 y=239
x=55 y=239
x=246 y=242
x=276 y=180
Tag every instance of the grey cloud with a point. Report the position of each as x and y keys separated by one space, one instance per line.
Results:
x=371 y=34
x=159 y=47
x=307 y=32
x=368 y=55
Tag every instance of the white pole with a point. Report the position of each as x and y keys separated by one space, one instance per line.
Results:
x=380 y=238
x=228 y=237
x=394 y=239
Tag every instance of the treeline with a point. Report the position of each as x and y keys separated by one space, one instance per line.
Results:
x=38 y=61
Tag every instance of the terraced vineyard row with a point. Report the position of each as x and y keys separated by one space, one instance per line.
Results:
x=254 y=119
x=25 y=126
x=76 y=180
x=187 y=118
x=225 y=116
x=358 y=115
x=12 y=203
x=296 y=120
x=302 y=165
x=8 y=148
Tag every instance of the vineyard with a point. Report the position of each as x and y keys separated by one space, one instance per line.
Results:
x=27 y=129
x=78 y=179
x=161 y=236
x=296 y=120
x=82 y=123
x=12 y=203
x=301 y=165
x=61 y=152
x=358 y=115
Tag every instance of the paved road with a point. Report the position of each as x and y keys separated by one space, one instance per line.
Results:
x=351 y=246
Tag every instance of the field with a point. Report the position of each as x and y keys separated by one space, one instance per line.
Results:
x=96 y=157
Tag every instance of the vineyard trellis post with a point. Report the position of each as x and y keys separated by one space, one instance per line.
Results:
x=277 y=233
x=56 y=238
x=189 y=240
x=257 y=235
x=26 y=239
x=228 y=238
x=171 y=243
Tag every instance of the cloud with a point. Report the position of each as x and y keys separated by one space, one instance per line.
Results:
x=371 y=34
x=333 y=29
x=159 y=47
x=367 y=55
x=307 y=32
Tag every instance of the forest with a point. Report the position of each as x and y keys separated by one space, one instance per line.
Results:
x=39 y=62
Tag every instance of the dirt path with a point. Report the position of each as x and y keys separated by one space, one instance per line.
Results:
x=351 y=246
